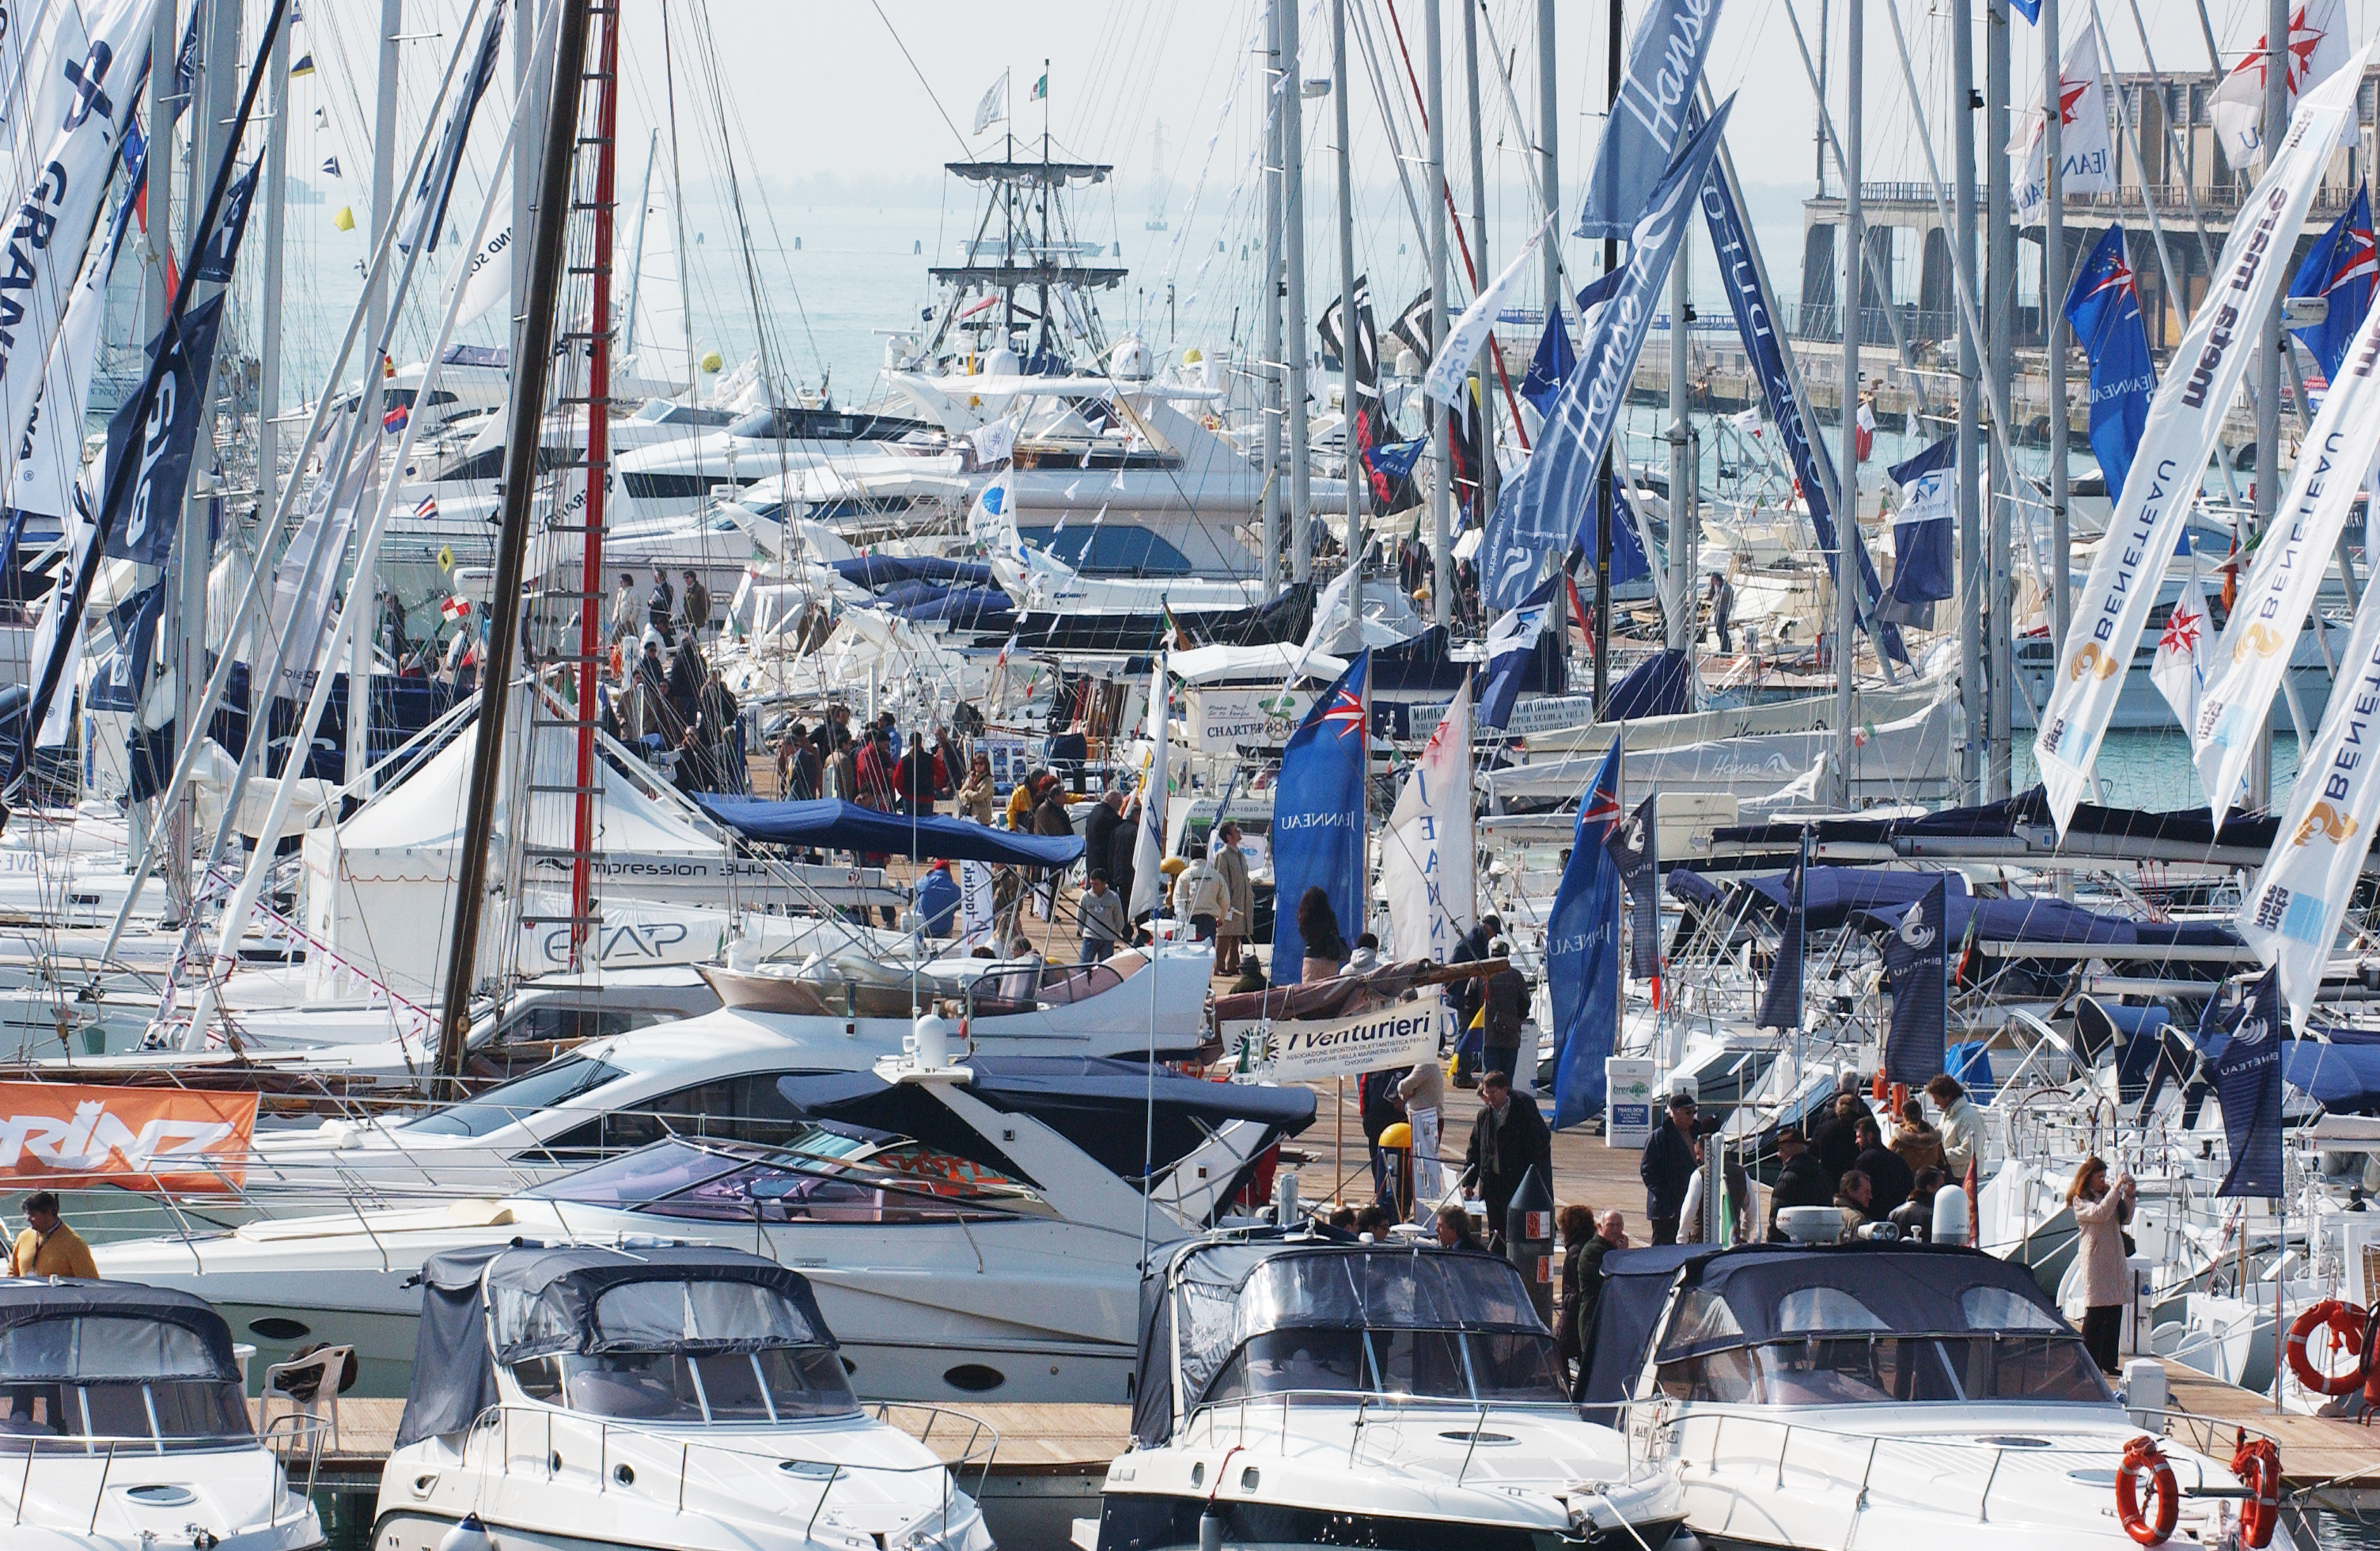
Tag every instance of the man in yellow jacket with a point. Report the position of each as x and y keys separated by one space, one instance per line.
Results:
x=48 y=1247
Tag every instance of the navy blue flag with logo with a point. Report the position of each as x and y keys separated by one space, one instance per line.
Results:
x=1756 y=321
x=1924 y=538
x=2247 y=1073
x=1780 y=1000
x=2105 y=312
x=1916 y=965
x=1551 y=366
x=2341 y=268
x=437 y=186
x=1317 y=817
x=1649 y=115
x=1511 y=643
x=1582 y=952
x=1635 y=847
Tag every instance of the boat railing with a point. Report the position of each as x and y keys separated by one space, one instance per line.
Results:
x=1661 y=1429
x=1373 y=1409
x=302 y=1437
x=975 y=1452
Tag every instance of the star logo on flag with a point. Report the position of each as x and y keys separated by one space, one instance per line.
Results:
x=2119 y=277
x=2069 y=93
x=2303 y=40
x=2181 y=629
x=1347 y=713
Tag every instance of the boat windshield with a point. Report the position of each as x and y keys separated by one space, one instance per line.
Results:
x=691 y=1351
x=1827 y=1346
x=70 y=1383
x=822 y=1175
x=555 y=1082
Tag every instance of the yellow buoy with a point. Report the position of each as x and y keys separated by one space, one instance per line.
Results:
x=711 y=361
x=346 y=220
x=1397 y=1135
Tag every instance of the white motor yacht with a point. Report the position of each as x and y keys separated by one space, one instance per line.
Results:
x=124 y=1427
x=1303 y=1389
x=1881 y=1394
x=973 y=1229
x=576 y=1396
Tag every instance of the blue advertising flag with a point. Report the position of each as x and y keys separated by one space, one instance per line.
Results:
x=2247 y=1073
x=1916 y=965
x=1541 y=507
x=1649 y=117
x=1780 y=1000
x=1317 y=817
x=2341 y=268
x=2105 y=312
x=1635 y=848
x=1582 y=952
x=1512 y=641
x=2029 y=9
x=1628 y=562
x=1756 y=320
x=1924 y=543
x=1551 y=366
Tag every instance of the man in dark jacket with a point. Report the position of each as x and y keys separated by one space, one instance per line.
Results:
x=1098 y=830
x=1834 y=1143
x=1668 y=1168
x=1801 y=1182
x=1505 y=995
x=1508 y=1140
x=1885 y=1170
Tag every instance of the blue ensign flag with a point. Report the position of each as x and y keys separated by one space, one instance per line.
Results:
x=1649 y=117
x=2105 y=312
x=1756 y=321
x=1317 y=817
x=1916 y=964
x=1582 y=952
x=2341 y=268
x=1541 y=507
x=2247 y=1073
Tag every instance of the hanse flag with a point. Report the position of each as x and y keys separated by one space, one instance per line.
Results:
x=1635 y=847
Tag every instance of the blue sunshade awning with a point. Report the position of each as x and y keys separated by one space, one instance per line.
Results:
x=836 y=825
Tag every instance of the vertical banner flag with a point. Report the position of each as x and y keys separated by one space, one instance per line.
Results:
x=1925 y=539
x=2185 y=647
x=2318 y=47
x=2183 y=422
x=1756 y=321
x=2105 y=312
x=1551 y=366
x=1780 y=1000
x=1148 y=877
x=1469 y=335
x=2247 y=1073
x=1647 y=121
x=1635 y=847
x=437 y=186
x=1512 y=641
x=1540 y=507
x=59 y=198
x=1317 y=817
x=2341 y=268
x=1916 y=965
x=2085 y=157
x=2262 y=632
x=1427 y=856
x=1582 y=952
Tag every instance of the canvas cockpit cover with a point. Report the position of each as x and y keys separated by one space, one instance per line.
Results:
x=1761 y=1292
x=586 y=1298
x=1205 y=1305
x=150 y=1333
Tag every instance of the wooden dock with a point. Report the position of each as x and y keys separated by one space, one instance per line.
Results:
x=2326 y=1462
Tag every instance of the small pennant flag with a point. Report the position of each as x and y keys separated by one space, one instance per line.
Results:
x=329 y=166
x=427 y=511
x=346 y=220
x=388 y=367
x=303 y=67
x=456 y=608
x=445 y=558
x=396 y=420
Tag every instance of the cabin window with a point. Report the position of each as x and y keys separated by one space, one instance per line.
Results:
x=774 y=1383
x=1825 y=1308
x=554 y=1082
x=1997 y=1308
x=1100 y=550
x=143 y=1381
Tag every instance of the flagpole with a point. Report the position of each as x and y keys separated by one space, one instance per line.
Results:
x=2269 y=373
x=1300 y=481
x=1971 y=537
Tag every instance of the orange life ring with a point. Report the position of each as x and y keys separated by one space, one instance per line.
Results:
x=2258 y=1466
x=2346 y=1324
x=2150 y=1525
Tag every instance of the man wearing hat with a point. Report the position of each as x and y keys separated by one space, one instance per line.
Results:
x=1508 y=1140
x=1668 y=1168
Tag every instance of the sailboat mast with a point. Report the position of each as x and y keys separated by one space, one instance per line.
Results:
x=1488 y=437
x=1348 y=324
x=1293 y=328
x=375 y=396
x=1999 y=280
x=1847 y=519
x=2053 y=298
x=1971 y=538
x=157 y=297
x=1603 y=495
x=1441 y=438
x=539 y=284
x=1549 y=133
x=268 y=400
x=2272 y=342
x=599 y=471
x=1268 y=302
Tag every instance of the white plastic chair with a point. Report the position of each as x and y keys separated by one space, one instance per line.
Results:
x=328 y=1366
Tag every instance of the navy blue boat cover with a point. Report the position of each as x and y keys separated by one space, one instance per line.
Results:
x=836 y=825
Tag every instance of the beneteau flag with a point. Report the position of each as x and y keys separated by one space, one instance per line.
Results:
x=2262 y=632
x=2183 y=422
x=2342 y=270
x=1426 y=857
x=2185 y=647
x=2318 y=47
x=2085 y=159
x=2105 y=312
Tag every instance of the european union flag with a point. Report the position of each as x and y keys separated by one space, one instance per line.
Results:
x=1583 y=950
x=1317 y=817
x=2105 y=312
x=2341 y=268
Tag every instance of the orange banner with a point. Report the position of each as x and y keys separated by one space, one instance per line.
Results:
x=161 y=1139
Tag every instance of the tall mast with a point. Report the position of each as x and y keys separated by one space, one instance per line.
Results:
x=1682 y=610
x=1847 y=519
x=1604 y=494
x=1293 y=330
x=157 y=298
x=1480 y=269
x=268 y=401
x=213 y=90
x=1548 y=134
x=1971 y=538
x=384 y=214
x=2053 y=299
x=1356 y=541
x=1999 y=289
x=1268 y=301
x=1441 y=440
x=2271 y=342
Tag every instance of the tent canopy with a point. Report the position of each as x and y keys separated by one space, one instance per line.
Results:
x=832 y=824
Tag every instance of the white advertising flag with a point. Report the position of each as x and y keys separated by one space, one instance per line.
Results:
x=49 y=460
x=1425 y=853
x=1398 y=1035
x=994 y=106
x=2318 y=47
x=2184 y=418
x=53 y=221
x=2179 y=670
x=1148 y=880
x=2292 y=914
x=487 y=274
x=1469 y=335
x=2085 y=159
x=2290 y=563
